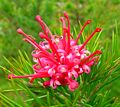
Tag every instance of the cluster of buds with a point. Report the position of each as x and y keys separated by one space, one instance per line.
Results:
x=60 y=58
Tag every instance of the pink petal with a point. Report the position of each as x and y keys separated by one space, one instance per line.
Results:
x=75 y=73
x=73 y=85
x=86 y=69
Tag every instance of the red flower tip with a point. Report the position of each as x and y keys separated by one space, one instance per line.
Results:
x=61 y=19
x=98 y=52
x=20 y=31
x=38 y=18
x=10 y=76
x=89 y=21
x=41 y=35
x=46 y=83
x=98 y=29
x=65 y=14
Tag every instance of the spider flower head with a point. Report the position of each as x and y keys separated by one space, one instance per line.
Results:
x=60 y=58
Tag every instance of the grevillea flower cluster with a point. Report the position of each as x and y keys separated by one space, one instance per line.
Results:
x=60 y=58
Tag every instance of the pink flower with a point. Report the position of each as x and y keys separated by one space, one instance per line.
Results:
x=60 y=58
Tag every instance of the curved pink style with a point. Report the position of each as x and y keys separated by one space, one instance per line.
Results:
x=61 y=59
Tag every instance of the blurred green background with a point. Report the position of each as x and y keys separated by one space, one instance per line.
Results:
x=21 y=13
